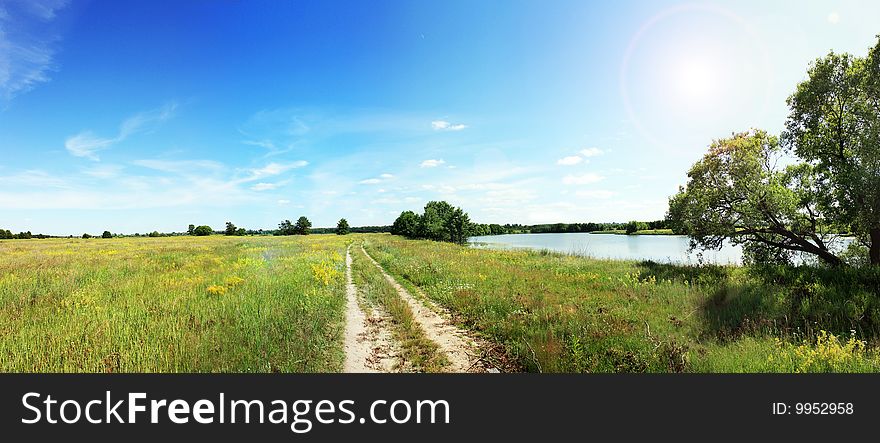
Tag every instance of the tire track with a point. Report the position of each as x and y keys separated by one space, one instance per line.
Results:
x=460 y=349
x=368 y=345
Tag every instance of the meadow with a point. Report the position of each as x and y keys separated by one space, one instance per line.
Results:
x=552 y=312
x=178 y=304
x=276 y=304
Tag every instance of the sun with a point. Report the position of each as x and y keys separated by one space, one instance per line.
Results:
x=695 y=80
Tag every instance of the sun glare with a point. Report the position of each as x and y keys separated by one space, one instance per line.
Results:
x=695 y=80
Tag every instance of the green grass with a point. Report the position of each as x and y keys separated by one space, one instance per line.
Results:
x=561 y=313
x=418 y=352
x=654 y=232
x=182 y=304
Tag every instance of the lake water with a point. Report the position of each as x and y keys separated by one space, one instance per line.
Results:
x=660 y=248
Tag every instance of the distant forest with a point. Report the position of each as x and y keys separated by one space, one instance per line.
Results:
x=475 y=229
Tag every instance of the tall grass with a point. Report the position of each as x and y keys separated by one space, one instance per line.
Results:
x=183 y=304
x=562 y=313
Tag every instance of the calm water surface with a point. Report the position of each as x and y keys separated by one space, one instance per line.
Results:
x=660 y=248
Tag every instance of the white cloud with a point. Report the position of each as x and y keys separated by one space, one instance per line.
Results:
x=26 y=45
x=570 y=160
x=265 y=186
x=431 y=163
x=834 y=18
x=443 y=125
x=376 y=180
x=591 y=152
x=600 y=193
x=103 y=171
x=272 y=169
x=33 y=178
x=87 y=144
x=283 y=202
x=179 y=166
x=584 y=179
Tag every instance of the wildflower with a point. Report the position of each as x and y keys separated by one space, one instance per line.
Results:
x=216 y=290
x=234 y=281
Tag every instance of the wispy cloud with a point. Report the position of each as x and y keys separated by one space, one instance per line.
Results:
x=275 y=169
x=263 y=186
x=443 y=125
x=581 y=157
x=87 y=144
x=591 y=152
x=27 y=38
x=376 y=180
x=431 y=163
x=570 y=160
x=598 y=194
x=583 y=179
x=33 y=178
x=179 y=166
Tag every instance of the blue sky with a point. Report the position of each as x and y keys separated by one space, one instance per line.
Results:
x=135 y=116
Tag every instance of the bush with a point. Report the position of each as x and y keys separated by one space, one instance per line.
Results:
x=202 y=231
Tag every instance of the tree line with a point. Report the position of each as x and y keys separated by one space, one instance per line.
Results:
x=557 y=228
x=795 y=193
x=439 y=221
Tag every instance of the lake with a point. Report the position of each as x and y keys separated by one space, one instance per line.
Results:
x=660 y=248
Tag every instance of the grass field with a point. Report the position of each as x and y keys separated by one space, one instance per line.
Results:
x=181 y=304
x=266 y=304
x=559 y=313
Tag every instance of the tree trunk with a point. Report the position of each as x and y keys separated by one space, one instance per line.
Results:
x=874 y=250
x=829 y=258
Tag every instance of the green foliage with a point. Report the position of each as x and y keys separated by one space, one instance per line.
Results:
x=302 y=226
x=834 y=125
x=342 y=227
x=285 y=228
x=191 y=230
x=440 y=222
x=202 y=231
x=458 y=226
x=827 y=353
x=107 y=234
x=736 y=191
x=634 y=226
x=407 y=224
x=230 y=229
x=86 y=236
x=432 y=223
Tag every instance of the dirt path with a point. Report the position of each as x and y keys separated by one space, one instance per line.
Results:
x=368 y=344
x=460 y=349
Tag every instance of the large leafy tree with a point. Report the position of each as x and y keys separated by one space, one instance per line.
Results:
x=286 y=228
x=458 y=226
x=737 y=191
x=342 y=227
x=834 y=125
x=406 y=224
x=440 y=221
x=432 y=223
x=231 y=229
x=302 y=226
